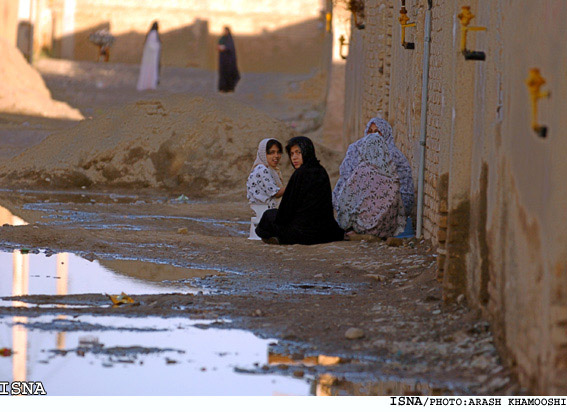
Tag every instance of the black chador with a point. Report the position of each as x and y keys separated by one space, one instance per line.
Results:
x=305 y=214
x=228 y=69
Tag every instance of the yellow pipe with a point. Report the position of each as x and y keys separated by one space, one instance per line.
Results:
x=534 y=82
x=328 y=19
x=465 y=17
x=342 y=43
x=404 y=22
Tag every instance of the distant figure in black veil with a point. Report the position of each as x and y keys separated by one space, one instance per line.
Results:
x=228 y=70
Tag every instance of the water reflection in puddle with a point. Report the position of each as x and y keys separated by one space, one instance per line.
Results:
x=173 y=357
x=327 y=384
x=66 y=273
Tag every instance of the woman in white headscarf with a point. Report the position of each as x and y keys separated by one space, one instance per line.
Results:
x=265 y=183
x=367 y=195
x=150 y=67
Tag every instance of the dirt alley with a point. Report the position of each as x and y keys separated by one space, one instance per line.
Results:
x=305 y=296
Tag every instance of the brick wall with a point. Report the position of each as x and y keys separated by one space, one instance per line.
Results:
x=269 y=35
x=391 y=88
x=377 y=35
x=494 y=191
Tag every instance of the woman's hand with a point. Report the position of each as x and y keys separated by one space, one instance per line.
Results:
x=280 y=192
x=221 y=47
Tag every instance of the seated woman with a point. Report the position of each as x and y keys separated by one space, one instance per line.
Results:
x=376 y=124
x=265 y=183
x=367 y=195
x=305 y=215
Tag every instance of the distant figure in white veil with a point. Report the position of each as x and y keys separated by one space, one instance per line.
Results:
x=150 y=67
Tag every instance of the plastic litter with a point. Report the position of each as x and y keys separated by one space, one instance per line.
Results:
x=5 y=352
x=121 y=299
x=180 y=199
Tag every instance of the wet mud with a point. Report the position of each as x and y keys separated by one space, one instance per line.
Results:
x=301 y=300
x=213 y=313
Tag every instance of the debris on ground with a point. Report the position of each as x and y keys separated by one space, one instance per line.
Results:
x=354 y=333
x=5 y=352
x=121 y=299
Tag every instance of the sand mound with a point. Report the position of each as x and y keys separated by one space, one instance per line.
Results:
x=194 y=144
x=23 y=91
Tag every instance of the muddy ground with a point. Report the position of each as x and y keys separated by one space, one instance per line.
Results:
x=307 y=297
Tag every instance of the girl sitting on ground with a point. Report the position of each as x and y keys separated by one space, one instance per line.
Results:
x=265 y=183
x=305 y=215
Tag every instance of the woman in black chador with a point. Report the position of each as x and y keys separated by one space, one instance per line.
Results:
x=305 y=214
x=228 y=70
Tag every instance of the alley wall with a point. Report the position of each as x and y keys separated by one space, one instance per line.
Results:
x=270 y=35
x=9 y=20
x=494 y=196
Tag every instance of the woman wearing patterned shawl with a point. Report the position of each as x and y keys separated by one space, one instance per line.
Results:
x=265 y=182
x=305 y=215
x=376 y=124
x=367 y=195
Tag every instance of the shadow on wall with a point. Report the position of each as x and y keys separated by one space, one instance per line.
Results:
x=296 y=48
x=81 y=43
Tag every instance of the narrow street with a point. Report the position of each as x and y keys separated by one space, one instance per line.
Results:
x=140 y=139
x=306 y=297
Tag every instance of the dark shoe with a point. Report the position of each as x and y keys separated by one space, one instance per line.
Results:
x=271 y=241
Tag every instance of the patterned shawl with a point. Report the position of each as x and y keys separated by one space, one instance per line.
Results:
x=367 y=196
x=402 y=165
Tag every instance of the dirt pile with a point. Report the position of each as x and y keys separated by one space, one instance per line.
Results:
x=197 y=145
x=23 y=91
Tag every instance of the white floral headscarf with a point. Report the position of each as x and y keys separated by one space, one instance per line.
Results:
x=262 y=159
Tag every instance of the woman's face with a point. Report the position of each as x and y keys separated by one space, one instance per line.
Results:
x=274 y=155
x=296 y=156
x=373 y=129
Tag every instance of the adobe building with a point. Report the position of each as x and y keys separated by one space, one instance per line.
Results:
x=494 y=192
x=270 y=35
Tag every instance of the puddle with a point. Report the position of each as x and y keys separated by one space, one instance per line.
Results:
x=280 y=359
x=84 y=197
x=69 y=274
x=114 y=355
x=330 y=385
x=151 y=356
x=327 y=384
x=7 y=218
x=319 y=288
x=62 y=215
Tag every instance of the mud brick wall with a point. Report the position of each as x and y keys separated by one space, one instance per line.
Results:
x=495 y=197
x=518 y=259
x=368 y=70
x=9 y=20
x=270 y=35
x=378 y=60
x=435 y=160
x=391 y=88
